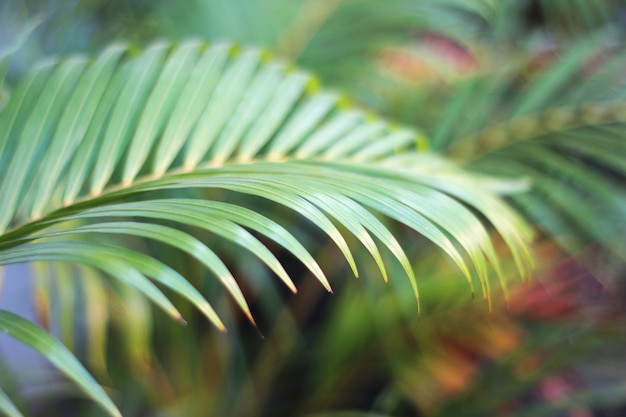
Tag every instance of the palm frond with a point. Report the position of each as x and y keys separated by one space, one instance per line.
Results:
x=101 y=142
x=555 y=120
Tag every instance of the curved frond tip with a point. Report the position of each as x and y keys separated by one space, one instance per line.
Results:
x=95 y=150
x=89 y=140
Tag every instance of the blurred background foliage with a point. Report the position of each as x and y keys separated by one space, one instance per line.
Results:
x=529 y=89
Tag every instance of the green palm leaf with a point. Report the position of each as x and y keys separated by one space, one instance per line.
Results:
x=115 y=144
x=58 y=354
x=7 y=407
x=561 y=128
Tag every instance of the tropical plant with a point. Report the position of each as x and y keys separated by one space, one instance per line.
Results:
x=156 y=164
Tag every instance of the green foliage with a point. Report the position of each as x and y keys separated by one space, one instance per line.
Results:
x=34 y=336
x=140 y=172
x=79 y=136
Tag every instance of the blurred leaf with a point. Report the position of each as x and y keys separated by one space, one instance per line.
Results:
x=32 y=335
x=7 y=407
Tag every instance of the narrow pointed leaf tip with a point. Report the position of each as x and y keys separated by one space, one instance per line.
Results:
x=78 y=137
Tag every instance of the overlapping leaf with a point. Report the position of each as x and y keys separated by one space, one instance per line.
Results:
x=95 y=141
x=563 y=131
